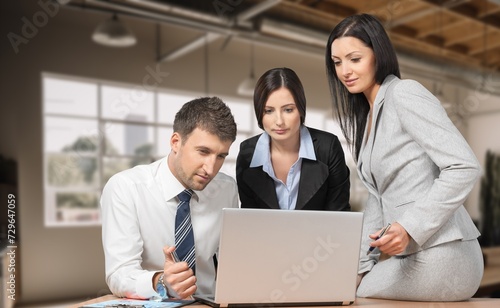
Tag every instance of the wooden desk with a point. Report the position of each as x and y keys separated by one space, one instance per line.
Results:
x=489 y=284
x=373 y=303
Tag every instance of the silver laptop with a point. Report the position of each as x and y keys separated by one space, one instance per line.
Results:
x=286 y=258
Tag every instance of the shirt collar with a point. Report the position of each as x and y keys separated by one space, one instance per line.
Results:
x=262 y=153
x=170 y=185
x=306 y=144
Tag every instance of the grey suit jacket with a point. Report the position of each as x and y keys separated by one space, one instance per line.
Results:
x=418 y=169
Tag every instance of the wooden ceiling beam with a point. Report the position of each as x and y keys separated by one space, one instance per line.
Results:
x=463 y=37
x=474 y=14
x=490 y=9
x=459 y=48
x=426 y=12
x=492 y=20
x=423 y=33
x=491 y=44
x=425 y=49
x=333 y=8
x=493 y=60
x=406 y=31
x=466 y=10
x=414 y=16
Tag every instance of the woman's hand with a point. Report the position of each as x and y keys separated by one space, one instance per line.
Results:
x=393 y=242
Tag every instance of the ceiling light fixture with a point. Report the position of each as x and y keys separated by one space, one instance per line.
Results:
x=113 y=33
x=247 y=86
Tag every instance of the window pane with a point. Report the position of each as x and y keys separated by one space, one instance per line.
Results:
x=70 y=170
x=85 y=146
x=163 y=141
x=127 y=104
x=168 y=105
x=315 y=119
x=111 y=166
x=235 y=147
x=334 y=128
x=129 y=139
x=244 y=115
x=77 y=207
x=70 y=135
x=229 y=168
x=69 y=97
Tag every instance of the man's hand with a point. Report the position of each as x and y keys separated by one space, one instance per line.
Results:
x=178 y=277
x=393 y=241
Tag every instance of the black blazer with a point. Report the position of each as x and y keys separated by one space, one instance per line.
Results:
x=324 y=183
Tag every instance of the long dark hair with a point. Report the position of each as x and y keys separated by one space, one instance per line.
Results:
x=352 y=109
x=273 y=80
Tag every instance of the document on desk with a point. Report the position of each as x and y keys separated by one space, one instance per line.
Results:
x=131 y=303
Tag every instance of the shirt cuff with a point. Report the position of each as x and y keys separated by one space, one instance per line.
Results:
x=144 y=285
x=366 y=265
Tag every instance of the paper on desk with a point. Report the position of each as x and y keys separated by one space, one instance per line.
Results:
x=131 y=303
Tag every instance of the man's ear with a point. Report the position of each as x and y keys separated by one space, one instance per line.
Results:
x=175 y=142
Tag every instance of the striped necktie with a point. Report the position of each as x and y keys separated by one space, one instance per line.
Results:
x=184 y=239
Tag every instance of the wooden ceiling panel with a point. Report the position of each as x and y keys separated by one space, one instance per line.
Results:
x=331 y=7
x=446 y=30
x=463 y=33
x=492 y=19
x=308 y=16
x=431 y=28
x=483 y=44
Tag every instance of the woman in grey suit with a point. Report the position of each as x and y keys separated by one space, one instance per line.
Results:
x=290 y=166
x=416 y=165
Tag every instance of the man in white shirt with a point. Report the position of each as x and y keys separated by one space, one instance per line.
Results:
x=139 y=208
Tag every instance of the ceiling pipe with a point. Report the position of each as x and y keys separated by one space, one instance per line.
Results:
x=178 y=11
x=256 y=10
x=190 y=47
x=210 y=37
x=243 y=34
x=470 y=82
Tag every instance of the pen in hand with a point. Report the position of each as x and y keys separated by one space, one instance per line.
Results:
x=379 y=236
x=176 y=259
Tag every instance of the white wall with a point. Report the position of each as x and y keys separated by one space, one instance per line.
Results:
x=62 y=263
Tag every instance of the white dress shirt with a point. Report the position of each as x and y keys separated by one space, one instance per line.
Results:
x=138 y=219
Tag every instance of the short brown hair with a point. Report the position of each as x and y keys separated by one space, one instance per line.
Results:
x=207 y=113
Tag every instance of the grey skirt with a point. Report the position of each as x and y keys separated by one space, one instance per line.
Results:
x=447 y=272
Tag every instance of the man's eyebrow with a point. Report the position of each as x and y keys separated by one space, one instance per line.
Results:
x=203 y=147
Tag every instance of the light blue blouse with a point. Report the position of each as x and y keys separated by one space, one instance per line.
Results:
x=286 y=193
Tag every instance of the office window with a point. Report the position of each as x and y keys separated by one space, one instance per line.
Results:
x=94 y=129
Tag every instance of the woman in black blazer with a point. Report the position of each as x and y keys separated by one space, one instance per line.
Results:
x=290 y=166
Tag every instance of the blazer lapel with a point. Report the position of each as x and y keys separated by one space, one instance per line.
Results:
x=263 y=186
x=379 y=104
x=377 y=109
x=313 y=176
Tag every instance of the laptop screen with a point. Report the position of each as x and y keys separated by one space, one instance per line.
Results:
x=278 y=256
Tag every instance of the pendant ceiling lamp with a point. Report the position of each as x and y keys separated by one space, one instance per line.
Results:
x=247 y=86
x=113 y=33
